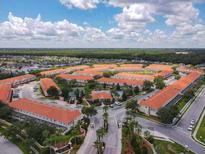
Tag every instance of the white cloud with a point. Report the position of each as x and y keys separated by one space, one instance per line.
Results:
x=131 y=29
x=82 y=4
x=135 y=15
x=17 y=28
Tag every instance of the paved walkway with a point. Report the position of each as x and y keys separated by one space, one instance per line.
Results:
x=7 y=147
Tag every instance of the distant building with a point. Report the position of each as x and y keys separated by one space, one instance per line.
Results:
x=57 y=116
x=121 y=82
x=50 y=73
x=47 y=83
x=88 y=73
x=159 y=67
x=78 y=78
x=15 y=81
x=133 y=76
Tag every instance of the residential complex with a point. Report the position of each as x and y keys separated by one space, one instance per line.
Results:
x=96 y=85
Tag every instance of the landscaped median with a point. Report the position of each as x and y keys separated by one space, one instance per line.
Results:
x=169 y=147
x=199 y=130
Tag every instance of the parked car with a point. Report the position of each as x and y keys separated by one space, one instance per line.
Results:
x=190 y=128
x=92 y=125
x=192 y=122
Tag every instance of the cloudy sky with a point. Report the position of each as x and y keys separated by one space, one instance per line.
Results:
x=102 y=23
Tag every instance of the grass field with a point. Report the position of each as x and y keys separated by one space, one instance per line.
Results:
x=165 y=147
x=201 y=131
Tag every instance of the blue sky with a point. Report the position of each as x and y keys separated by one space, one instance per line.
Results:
x=113 y=23
x=53 y=10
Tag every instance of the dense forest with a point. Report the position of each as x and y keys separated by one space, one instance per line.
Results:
x=194 y=56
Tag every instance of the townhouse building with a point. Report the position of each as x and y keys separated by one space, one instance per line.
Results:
x=47 y=83
x=54 y=115
x=15 y=81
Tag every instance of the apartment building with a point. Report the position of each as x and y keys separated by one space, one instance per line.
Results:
x=15 y=81
x=78 y=78
x=5 y=93
x=57 y=116
x=47 y=83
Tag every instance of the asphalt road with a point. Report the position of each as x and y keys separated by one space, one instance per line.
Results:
x=7 y=147
x=194 y=112
x=175 y=133
x=112 y=138
x=178 y=133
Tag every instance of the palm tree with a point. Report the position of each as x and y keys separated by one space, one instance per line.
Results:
x=100 y=133
x=105 y=108
x=105 y=118
x=98 y=143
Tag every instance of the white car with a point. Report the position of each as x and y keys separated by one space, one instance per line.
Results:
x=192 y=122
x=190 y=128
x=92 y=125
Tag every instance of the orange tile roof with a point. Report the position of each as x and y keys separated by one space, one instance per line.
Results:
x=46 y=83
x=46 y=110
x=127 y=68
x=121 y=81
x=97 y=69
x=101 y=95
x=104 y=65
x=78 y=67
x=162 y=97
x=163 y=73
x=75 y=77
x=125 y=75
x=15 y=79
x=5 y=93
x=56 y=71
x=159 y=67
x=131 y=65
x=87 y=73
x=61 y=70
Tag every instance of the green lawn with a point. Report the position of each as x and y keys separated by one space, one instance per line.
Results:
x=201 y=131
x=181 y=104
x=165 y=147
